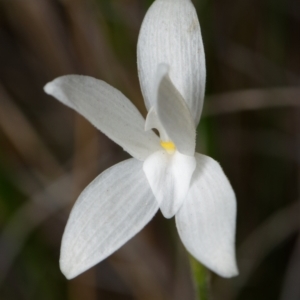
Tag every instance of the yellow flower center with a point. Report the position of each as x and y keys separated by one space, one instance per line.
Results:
x=168 y=146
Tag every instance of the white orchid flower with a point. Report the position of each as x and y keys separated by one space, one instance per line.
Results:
x=164 y=172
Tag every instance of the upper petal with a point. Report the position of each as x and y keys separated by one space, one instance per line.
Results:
x=174 y=114
x=171 y=34
x=206 y=220
x=169 y=176
x=108 y=110
x=110 y=211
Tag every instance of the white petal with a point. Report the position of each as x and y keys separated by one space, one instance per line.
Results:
x=174 y=114
x=152 y=121
x=169 y=176
x=108 y=110
x=171 y=34
x=206 y=220
x=110 y=211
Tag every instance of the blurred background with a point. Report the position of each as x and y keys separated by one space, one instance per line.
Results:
x=48 y=153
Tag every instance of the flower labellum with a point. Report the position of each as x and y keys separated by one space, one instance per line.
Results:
x=165 y=172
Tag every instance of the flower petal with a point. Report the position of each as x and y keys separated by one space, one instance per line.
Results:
x=152 y=121
x=110 y=211
x=169 y=176
x=171 y=34
x=173 y=113
x=108 y=110
x=206 y=220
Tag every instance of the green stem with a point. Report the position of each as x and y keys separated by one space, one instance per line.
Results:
x=201 y=278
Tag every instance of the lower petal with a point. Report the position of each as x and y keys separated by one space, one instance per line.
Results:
x=109 y=212
x=169 y=176
x=206 y=220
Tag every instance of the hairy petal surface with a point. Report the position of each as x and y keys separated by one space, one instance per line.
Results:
x=171 y=34
x=108 y=110
x=110 y=211
x=206 y=220
x=174 y=114
x=169 y=176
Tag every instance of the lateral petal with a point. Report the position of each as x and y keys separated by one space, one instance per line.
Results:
x=206 y=220
x=174 y=114
x=108 y=110
x=169 y=176
x=171 y=34
x=109 y=212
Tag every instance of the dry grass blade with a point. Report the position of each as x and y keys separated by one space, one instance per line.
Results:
x=96 y=55
x=272 y=232
x=25 y=138
x=291 y=288
x=255 y=99
x=255 y=65
x=28 y=217
x=36 y=23
x=136 y=263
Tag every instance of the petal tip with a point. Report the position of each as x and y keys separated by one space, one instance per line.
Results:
x=48 y=88
x=163 y=68
x=67 y=269
x=229 y=270
x=53 y=87
x=223 y=263
x=220 y=263
x=225 y=267
x=71 y=267
x=167 y=214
